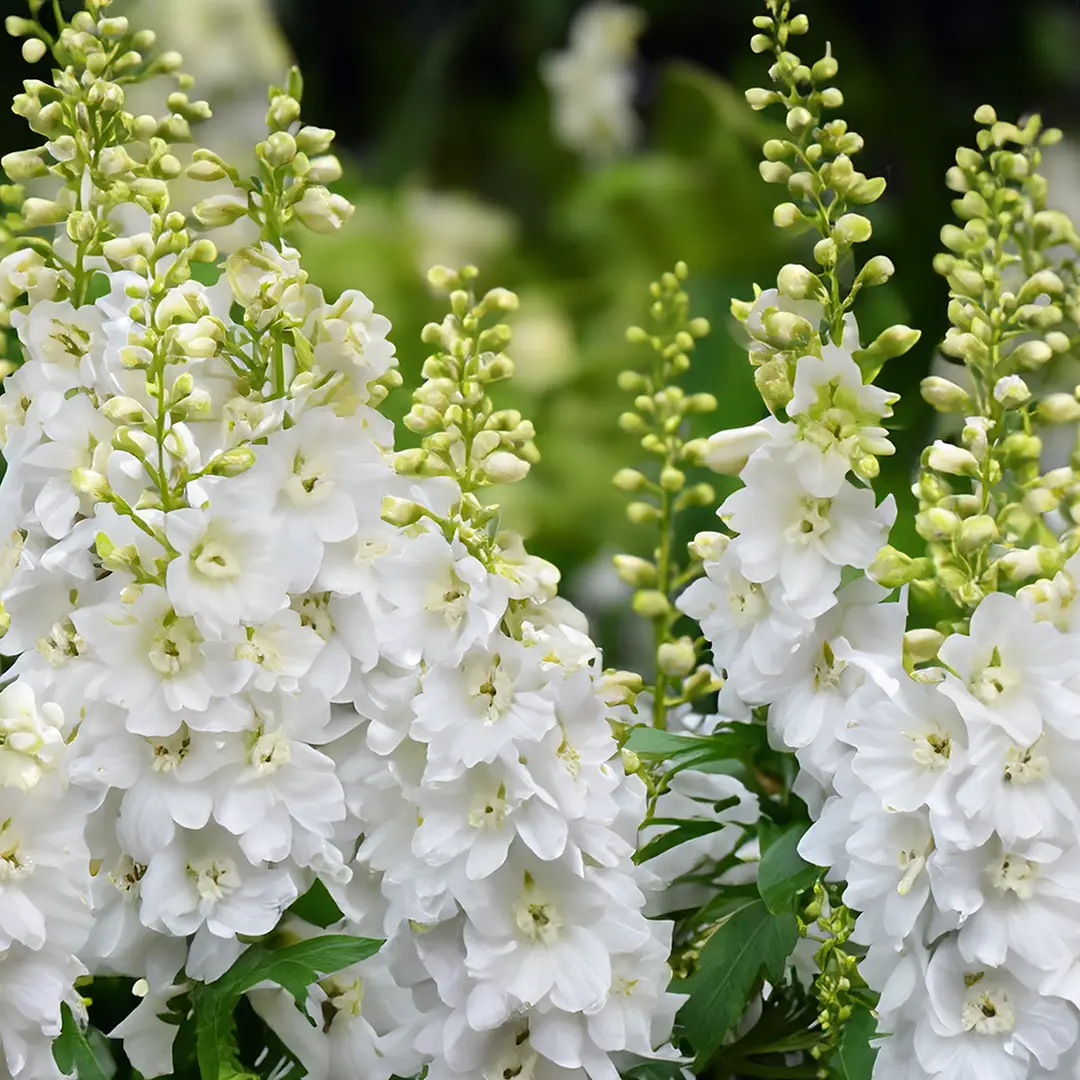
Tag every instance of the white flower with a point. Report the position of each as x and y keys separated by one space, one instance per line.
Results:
x=907 y=744
x=804 y=540
x=203 y=879
x=231 y=568
x=488 y=707
x=1023 y=900
x=592 y=83
x=982 y=1022
x=31 y=737
x=836 y=417
x=1010 y=670
x=443 y=602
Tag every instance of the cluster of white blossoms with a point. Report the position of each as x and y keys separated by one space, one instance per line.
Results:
x=944 y=796
x=592 y=82
x=254 y=679
x=257 y=652
x=784 y=629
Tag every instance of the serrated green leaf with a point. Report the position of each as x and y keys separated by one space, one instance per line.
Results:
x=854 y=1057
x=750 y=945
x=71 y=1051
x=783 y=873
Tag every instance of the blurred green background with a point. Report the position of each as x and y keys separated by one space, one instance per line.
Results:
x=445 y=131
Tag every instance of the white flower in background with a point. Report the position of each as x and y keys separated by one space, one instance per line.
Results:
x=592 y=81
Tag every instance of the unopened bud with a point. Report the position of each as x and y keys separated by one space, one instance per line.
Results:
x=677 y=658
x=651 y=604
x=797 y=282
x=922 y=644
x=976 y=533
x=728 y=451
x=1058 y=409
x=232 y=462
x=1012 y=392
x=629 y=480
x=401 y=512
x=944 y=395
x=640 y=573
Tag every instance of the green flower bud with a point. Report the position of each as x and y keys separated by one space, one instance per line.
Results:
x=797 y=282
x=220 y=210
x=650 y=604
x=851 y=229
x=876 y=271
x=642 y=513
x=1058 y=409
x=640 y=573
x=1011 y=391
x=976 y=533
x=952 y=460
x=921 y=645
x=677 y=658
x=401 y=512
x=943 y=395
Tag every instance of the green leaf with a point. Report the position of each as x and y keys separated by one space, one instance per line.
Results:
x=783 y=873
x=72 y=1052
x=317 y=906
x=750 y=945
x=854 y=1057
x=741 y=742
x=293 y=967
x=683 y=831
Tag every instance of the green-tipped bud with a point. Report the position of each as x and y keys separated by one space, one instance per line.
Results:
x=797 y=282
x=640 y=573
x=401 y=512
x=651 y=604
x=921 y=645
x=232 y=462
x=1031 y=354
x=1058 y=409
x=677 y=658
x=1011 y=391
x=877 y=271
x=952 y=460
x=630 y=481
x=943 y=395
x=976 y=533
x=852 y=229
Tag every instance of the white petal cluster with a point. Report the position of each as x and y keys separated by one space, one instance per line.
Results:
x=592 y=81
x=946 y=801
x=235 y=678
x=783 y=628
x=954 y=823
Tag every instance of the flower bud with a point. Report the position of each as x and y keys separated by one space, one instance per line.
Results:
x=205 y=170
x=125 y=410
x=503 y=467
x=325 y=169
x=943 y=395
x=322 y=211
x=922 y=644
x=1031 y=354
x=976 y=533
x=232 y=462
x=220 y=210
x=314 y=140
x=892 y=568
x=876 y=271
x=279 y=149
x=851 y=229
x=642 y=513
x=728 y=451
x=1012 y=392
x=709 y=546
x=33 y=49
x=284 y=110
x=677 y=658
x=651 y=604
x=937 y=524
x=24 y=165
x=629 y=480
x=640 y=573
x=401 y=512
x=797 y=282
x=1058 y=409
x=39 y=212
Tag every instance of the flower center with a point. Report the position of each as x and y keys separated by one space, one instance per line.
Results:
x=214 y=559
x=989 y=1012
x=828 y=669
x=449 y=597
x=911 y=861
x=13 y=866
x=492 y=689
x=1025 y=766
x=271 y=751
x=175 y=646
x=812 y=522
x=1017 y=875
x=214 y=878
x=932 y=751
x=348 y=998
x=61 y=645
x=309 y=485
x=127 y=875
x=994 y=680
x=489 y=812
x=169 y=753
x=66 y=343
x=368 y=549
x=746 y=600
x=314 y=612
x=538 y=919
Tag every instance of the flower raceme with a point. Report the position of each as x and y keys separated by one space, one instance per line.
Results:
x=257 y=649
